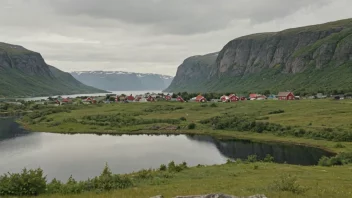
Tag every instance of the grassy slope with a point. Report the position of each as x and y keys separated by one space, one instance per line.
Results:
x=307 y=114
x=236 y=179
x=16 y=83
x=241 y=180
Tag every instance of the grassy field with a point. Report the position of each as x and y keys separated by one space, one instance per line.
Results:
x=325 y=117
x=242 y=180
x=312 y=119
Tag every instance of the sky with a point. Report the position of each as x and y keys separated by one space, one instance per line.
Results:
x=148 y=36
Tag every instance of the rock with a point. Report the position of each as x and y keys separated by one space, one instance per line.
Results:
x=220 y=196
x=158 y=196
x=258 y=61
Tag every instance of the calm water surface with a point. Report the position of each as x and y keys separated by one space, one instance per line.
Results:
x=85 y=155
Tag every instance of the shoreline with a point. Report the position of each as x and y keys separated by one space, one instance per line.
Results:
x=221 y=135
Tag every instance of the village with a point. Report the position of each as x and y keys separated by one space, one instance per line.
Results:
x=155 y=97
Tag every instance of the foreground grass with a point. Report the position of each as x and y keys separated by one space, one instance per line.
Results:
x=241 y=180
x=309 y=115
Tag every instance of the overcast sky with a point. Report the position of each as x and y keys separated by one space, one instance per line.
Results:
x=152 y=36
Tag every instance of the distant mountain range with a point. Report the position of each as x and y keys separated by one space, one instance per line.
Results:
x=123 y=81
x=309 y=59
x=24 y=73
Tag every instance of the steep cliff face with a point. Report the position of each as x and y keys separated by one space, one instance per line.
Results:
x=193 y=73
x=123 y=81
x=294 y=58
x=25 y=73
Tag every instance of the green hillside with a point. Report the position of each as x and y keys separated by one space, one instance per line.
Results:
x=25 y=73
x=305 y=60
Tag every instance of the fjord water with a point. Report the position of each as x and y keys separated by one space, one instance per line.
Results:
x=84 y=155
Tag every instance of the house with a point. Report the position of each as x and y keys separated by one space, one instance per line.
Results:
x=286 y=96
x=224 y=98
x=272 y=97
x=138 y=98
x=143 y=100
x=320 y=96
x=150 y=98
x=233 y=98
x=180 y=99
x=130 y=98
x=253 y=96
x=168 y=97
x=200 y=98
x=261 y=97
x=338 y=97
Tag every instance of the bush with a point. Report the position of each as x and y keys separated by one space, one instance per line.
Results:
x=252 y=158
x=277 y=112
x=26 y=183
x=192 y=126
x=163 y=167
x=287 y=183
x=340 y=159
x=213 y=105
x=183 y=119
x=339 y=145
x=171 y=166
x=269 y=158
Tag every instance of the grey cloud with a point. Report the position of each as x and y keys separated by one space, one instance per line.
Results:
x=183 y=16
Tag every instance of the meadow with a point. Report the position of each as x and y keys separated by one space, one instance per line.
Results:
x=319 y=123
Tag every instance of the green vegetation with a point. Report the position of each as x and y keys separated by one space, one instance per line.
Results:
x=318 y=122
x=20 y=77
x=273 y=180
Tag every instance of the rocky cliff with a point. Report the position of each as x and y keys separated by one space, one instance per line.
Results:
x=25 y=73
x=123 y=81
x=300 y=59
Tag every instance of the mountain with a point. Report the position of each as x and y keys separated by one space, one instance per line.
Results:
x=123 y=81
x=307 y=59
x=25 y=73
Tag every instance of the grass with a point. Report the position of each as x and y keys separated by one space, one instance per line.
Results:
x=308 y=115
x=242 y=180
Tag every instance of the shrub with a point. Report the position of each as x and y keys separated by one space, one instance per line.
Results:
x=192 y=126
x=163 y=167
x=171 y=166
x=252 y=158
x=213 y=105
x=340 y=159
x=287 y=183
x=277 y=111
x=269 y=158
x=183 y=119
x=339 y=145
x=26 y=183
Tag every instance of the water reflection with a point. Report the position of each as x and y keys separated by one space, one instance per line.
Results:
x=282 y=153
x=84 y=155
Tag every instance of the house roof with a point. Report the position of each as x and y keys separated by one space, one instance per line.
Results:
x=199 y=97
x=253 y=95
x=283 y=94
x=232 y=95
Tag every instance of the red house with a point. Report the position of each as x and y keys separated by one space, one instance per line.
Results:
x=224 y=98
x=150 y=99
x=286 y=96
x=200 y=98
x=130 y=98
x=168 y=97
x=243 y=98
x=233 y=98
x=253 y=96
x=138 y=98
x=180 y=99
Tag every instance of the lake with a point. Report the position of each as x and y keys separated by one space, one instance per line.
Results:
x=95 y=94
x=85 y=155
